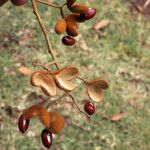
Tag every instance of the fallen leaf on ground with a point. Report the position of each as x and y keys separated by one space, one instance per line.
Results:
x=100 y=24
x=117 y=117
x=25 y=71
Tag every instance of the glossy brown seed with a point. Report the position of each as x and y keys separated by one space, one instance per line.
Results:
x=2 y=2
x=67 y=40
x=89 y=14
x=23 y=124
x=19 y=2
x=89 y=108
x=46 y=138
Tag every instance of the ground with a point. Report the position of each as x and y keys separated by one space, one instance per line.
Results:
x=119 y=52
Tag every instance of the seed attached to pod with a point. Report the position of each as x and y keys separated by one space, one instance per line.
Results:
x=46 y=138
x=72 y=29
x=60 y=26
x=89 y=14
x=19 y=2
x=89 y=108
x=57 y=122
x=2 y=2
x=78 y=8
x=23 y=124
x=67 y=40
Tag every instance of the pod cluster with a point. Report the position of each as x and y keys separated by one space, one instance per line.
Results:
x=53 y=122
x=69 y=24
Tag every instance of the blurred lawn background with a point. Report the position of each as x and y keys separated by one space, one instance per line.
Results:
x=121 y=55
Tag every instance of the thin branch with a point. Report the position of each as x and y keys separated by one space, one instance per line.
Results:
x=88 y=117
x=49 y=4
x=45 y=32
x=54 y=102
x=81 y=79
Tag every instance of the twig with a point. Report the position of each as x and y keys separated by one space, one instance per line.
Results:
x=54 y=102
x=49 y=4
x=88 y=117
x=45 y=32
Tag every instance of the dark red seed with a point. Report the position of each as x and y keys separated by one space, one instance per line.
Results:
x=67 y=40
x=89 y=108
x=46 y=137
x=19 y=2
x=88 y=15
x=23 y=124
x=2 y=2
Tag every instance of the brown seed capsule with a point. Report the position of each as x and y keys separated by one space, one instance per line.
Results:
x=72 y=28
x=79 y=8
x=23 y=123
x=38 y=111
x=46 y=137
x=67 y=40
x=70 y=2
x=60 y=26
x=2 y=2
x=57 y=122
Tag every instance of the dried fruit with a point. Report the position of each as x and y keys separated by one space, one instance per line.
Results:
x=40 y=79
x=78 y=8
x=64 y=76
x=23 y=123
x=95 y=89
x=19 y=2
x=46 y=138
x=69 y=41
x=57 y=122
x=38 y=111
x=2 y=2
x=89 y=108
x=60 y=26
x=89 y=14
x=72 y=28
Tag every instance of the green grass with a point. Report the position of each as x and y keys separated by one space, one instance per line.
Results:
x=119 y=56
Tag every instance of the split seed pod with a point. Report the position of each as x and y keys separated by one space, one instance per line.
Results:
x=38 y=111
x=2 y=2
x=78 y=8
x=64 y=76
x=95 y=89
x=47 y=84
x=60 y=26
x=57 y=122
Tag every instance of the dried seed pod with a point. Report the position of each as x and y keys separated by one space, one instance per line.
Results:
x=72 y=18
x=57 y=122
x=39 y=78
x=70 y=2
x=19 y=2
x=63 y=78
x=60 y=26
x=46 y=138
x=72 y=29
x=38 y=111
x=2 y=2
x=69 y=41
x=79 y=8
x=23 y=123
x=95 y=89
x=89 y=14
